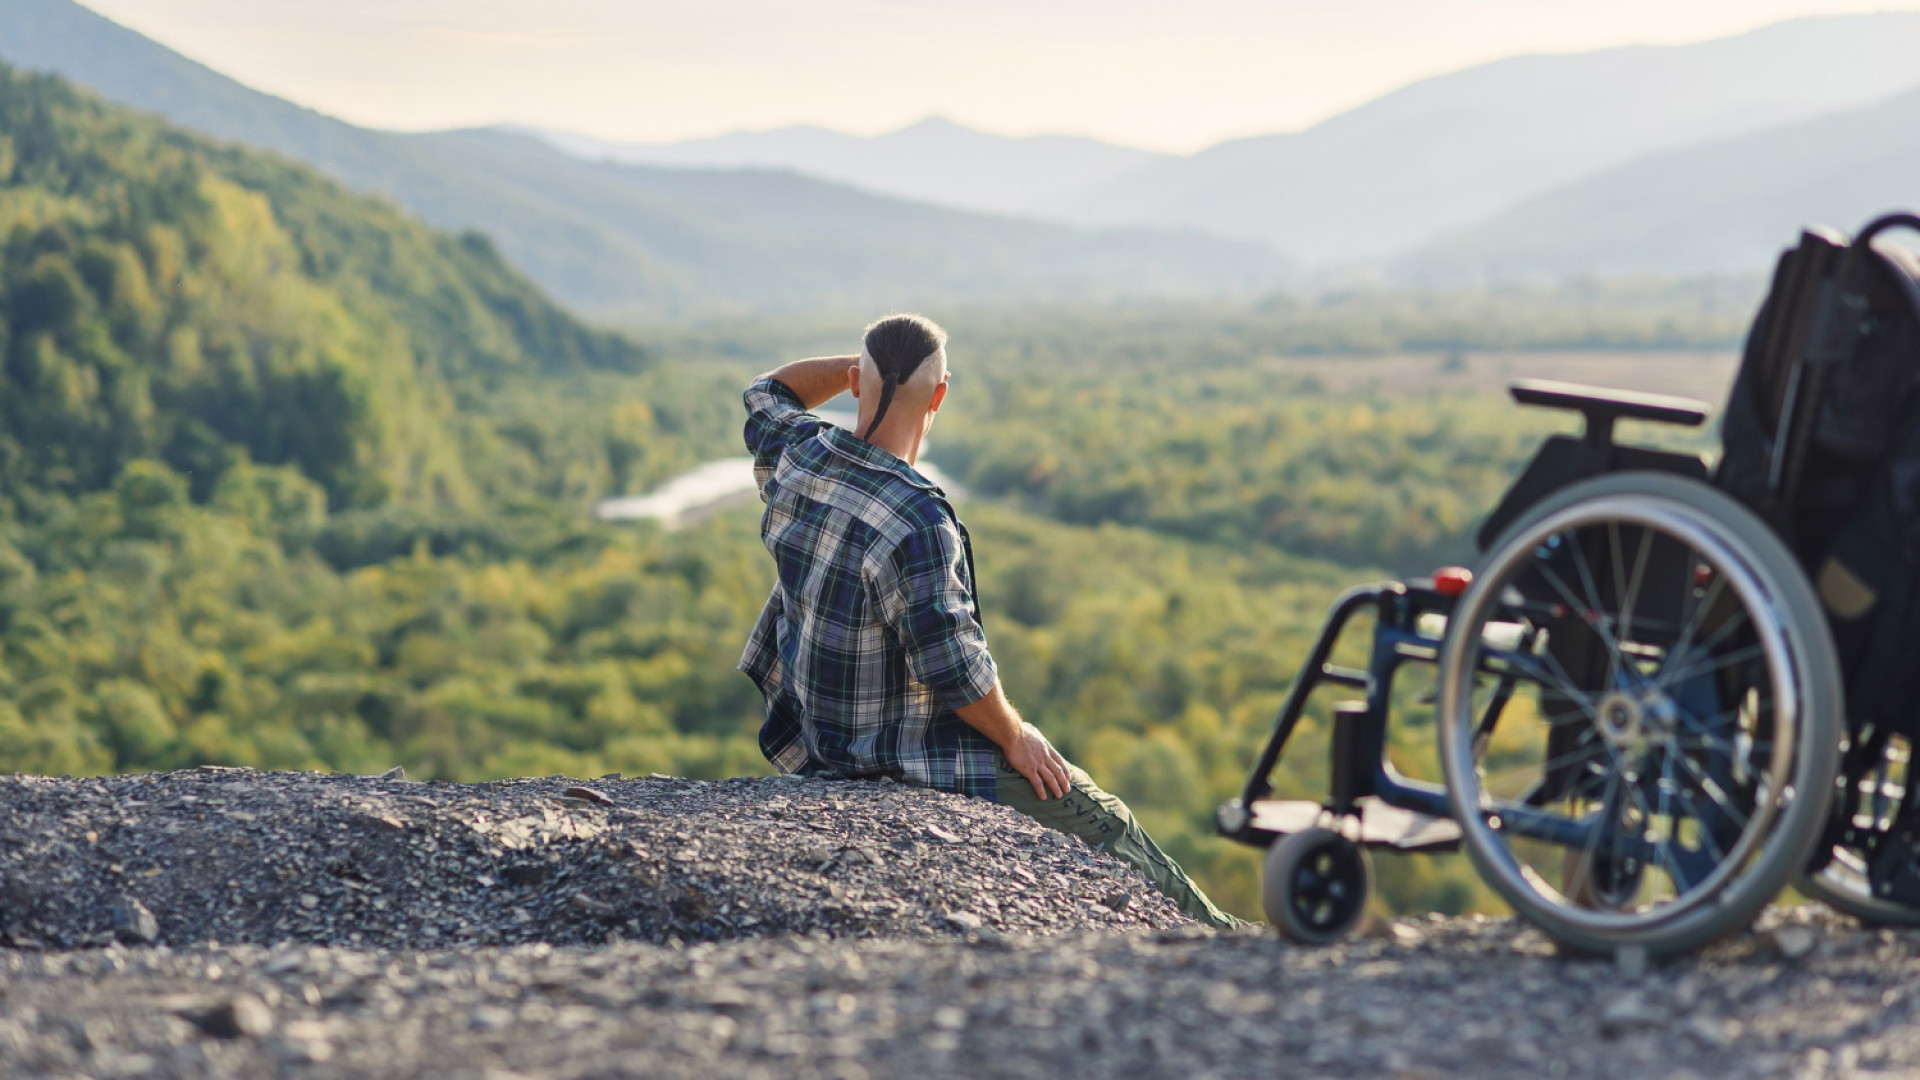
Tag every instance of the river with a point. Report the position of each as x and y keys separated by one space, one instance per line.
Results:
x=721 y=483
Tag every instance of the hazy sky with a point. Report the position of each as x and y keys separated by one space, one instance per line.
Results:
x=1168 y=74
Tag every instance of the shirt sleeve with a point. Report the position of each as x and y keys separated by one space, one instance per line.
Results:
x=776 y=419
x=923 y=594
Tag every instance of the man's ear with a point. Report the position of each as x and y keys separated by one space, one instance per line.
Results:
x=939 y=395
x=853 y=381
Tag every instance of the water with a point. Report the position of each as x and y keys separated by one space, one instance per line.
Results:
x=720 y=484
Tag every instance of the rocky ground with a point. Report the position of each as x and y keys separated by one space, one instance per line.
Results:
x=917 y=971
x=232 y=855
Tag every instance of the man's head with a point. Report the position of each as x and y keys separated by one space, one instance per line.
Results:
x=901 y=378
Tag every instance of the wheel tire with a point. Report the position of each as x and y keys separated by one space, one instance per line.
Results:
x=1779 y=848
x=1844 y=887
x=1314 y=886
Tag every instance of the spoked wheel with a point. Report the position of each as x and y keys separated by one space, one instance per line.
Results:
x=1315 y=886
x=1874 y=805
x=1639 y=715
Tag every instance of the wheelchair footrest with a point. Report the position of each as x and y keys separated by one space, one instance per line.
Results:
x=1372 y=824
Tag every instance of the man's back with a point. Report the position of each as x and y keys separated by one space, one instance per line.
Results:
x=870 y=636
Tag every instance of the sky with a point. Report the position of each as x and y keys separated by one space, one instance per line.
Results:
x=1172 y=75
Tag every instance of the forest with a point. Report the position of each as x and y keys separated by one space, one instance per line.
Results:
x=289 y=480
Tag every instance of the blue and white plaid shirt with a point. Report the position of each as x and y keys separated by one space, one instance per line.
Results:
x=871 y=636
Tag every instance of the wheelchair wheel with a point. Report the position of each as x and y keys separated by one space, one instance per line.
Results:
x=1639 y=715
x=1844 y=886
x=1873 y=807
x=1314 y=886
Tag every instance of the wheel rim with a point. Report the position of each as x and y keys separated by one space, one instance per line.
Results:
x=1326 y=889
x=1665 y=729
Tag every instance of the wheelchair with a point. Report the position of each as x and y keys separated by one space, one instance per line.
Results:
x=1643 y=728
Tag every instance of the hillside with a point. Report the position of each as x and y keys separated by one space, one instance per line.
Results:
x=172 y=300
x=256 y=432
x=1725 y=206
x=1446 y=151
x=934 y=161
x=629 y=241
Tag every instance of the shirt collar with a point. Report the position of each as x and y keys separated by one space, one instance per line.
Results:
x=861 y=452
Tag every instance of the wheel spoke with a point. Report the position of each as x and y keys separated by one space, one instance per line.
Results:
x=1712 y=789
x=1577 y=756
x=1692 y=625
x=1534 y=666
x=1706 y=834
x=1604 y=818
x=1632 y=597
x=1709 y=665
x=1592 y=615
x=1597 y=616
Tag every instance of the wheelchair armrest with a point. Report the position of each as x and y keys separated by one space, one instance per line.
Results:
x=1603 y=407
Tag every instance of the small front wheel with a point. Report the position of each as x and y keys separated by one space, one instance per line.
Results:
x=1315 y=886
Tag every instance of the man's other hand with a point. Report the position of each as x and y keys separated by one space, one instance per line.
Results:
x=1033 y=757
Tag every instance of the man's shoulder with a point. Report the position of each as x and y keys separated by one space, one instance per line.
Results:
x=888 y=500
x=912 y=509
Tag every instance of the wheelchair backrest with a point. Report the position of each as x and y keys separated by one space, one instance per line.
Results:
x=1829 y=371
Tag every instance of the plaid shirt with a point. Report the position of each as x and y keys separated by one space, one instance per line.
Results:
x=871 y=636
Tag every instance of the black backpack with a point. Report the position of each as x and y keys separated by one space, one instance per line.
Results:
x=1821 y=435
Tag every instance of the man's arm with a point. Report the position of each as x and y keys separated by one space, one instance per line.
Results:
x=1028 y=751
x=816 y=381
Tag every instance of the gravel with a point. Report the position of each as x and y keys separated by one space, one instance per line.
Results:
x=1426 y=999
x=234 y=855
x=917 y=972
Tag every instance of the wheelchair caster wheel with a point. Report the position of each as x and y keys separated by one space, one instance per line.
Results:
x=1314 y=887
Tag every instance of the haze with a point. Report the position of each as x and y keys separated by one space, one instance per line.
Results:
x=1155 y=75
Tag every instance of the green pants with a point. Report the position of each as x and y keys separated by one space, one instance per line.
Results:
x=1105 y=822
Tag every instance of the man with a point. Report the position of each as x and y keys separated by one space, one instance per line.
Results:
x=870 y=652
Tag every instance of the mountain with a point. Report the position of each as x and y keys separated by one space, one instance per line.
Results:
x=934 y=161
x=1447 y=151
x=759 y=239
x=619 y=240
x=165 y=298
x=1724 y=206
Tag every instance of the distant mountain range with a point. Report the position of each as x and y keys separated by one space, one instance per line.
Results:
x=626 y=241
x=1461 y=159
x=1448 y=151
x=1674 y=159
x=1723 y=206
x=935 y=161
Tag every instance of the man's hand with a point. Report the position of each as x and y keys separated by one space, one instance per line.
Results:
x=1033 y=757
x=1028 y=751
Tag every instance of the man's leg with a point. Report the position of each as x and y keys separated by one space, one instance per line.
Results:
x=1104 y=822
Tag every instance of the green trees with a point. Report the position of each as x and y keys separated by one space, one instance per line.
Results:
x=161 y=297
x=287 y=479
x=140 y=630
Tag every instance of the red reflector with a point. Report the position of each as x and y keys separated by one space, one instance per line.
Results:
x=1452 y=580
